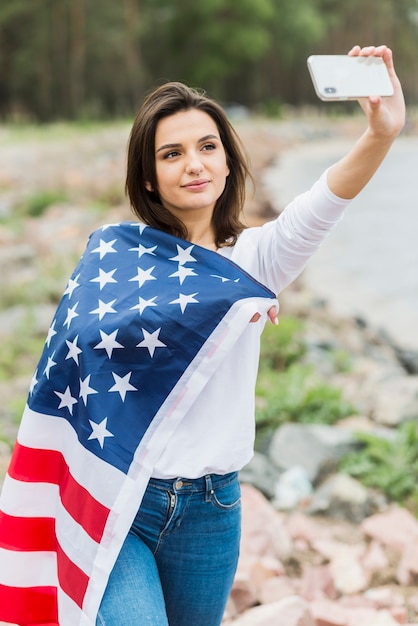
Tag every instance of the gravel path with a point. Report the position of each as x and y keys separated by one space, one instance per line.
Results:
x=369 y=266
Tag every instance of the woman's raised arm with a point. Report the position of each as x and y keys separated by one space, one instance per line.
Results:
x=385 y=117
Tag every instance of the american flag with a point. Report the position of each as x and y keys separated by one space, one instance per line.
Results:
x=145 y=320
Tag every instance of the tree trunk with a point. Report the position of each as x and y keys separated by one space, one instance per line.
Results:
x=77 y=55
x=134 y=64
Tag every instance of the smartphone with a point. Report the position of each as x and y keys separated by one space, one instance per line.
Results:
x=343 y=77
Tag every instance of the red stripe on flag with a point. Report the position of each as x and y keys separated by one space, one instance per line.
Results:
x=49 y=466
x=27 y=534
x=73 y=581
x=29 y=605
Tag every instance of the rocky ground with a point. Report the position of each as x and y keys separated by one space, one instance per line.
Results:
x=318 y=549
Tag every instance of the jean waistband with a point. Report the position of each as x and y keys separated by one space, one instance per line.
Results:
x=203 y=484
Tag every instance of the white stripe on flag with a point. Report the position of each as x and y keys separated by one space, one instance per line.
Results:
x=22 y=499
x=23 y=569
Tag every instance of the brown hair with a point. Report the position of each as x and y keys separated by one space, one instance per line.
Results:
x=166 y=100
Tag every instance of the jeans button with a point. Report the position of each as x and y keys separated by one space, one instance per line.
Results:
x=179 y=484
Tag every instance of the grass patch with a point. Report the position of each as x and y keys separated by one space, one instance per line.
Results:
x=37 y=203
x=20 y=352
x=282 y=346
x=288 y=390
x=389 y=465
x=296 y=395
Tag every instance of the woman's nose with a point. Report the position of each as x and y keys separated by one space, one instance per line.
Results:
x=194 y=165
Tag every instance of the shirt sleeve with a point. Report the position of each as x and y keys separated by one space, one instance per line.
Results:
x=277 y=252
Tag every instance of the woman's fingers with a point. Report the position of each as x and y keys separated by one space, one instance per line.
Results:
x=271 y=314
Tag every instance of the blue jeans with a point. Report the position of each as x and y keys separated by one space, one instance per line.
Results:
x=178 y=562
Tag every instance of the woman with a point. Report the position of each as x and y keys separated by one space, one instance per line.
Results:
x=158 y=544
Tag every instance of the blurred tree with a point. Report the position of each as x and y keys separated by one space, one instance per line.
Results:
x=77 y=53
x=204 y=43
x=295 y=29
x=95 y=58
x=134 y=68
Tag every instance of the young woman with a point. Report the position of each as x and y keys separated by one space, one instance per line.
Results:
x=148 y=531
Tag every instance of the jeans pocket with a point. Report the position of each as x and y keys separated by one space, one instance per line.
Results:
x=228 y=496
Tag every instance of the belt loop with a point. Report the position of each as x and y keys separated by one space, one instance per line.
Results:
x=209 y=489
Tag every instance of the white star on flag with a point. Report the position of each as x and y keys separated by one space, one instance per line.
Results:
x=104 y=277
x=103 y=308
x=143 y=304
x=51 y=333
x=122 y=385
x=73 y=350
x=183 y=255
x=182 y=273
x=99 y=431
x=223 y=279
x=50 y=363
x=143 y=250
x=151 y=341
x=85 y=389
x=184 y=299
x=106 y=226
x=67 y=400
x=72 y=284
x=33 y=382
x=71 y=314
x=140 y=225
x=105 y=247
x=143 y=275
x=108 y=342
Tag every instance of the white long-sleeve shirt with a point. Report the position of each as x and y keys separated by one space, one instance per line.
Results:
x=217 y=434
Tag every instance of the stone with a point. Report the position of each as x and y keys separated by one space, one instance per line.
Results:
x=327 y=613
x=291 y=611
x=408 y=359
x=341 y=497
x=260 y=473
x=302 y=527
x=397 y=401
x=394 y=528
x=347 y=572
x=317 y=583
x=276 y=588
x=384 y=597
x=384 y=618
x=407 y=573
x=315 y=447
x=243 y=593
x=263 y=529
x=292 y=487
x=375 y=559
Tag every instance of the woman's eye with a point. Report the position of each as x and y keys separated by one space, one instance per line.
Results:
x=171 y=155
x=209 y=146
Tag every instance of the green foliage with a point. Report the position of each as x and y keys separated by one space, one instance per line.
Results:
x=210 y=41
x=289 y=391
x=37 y=203
x=296 y=395
x=47 y=288
x=272 y=108
x=389 y=465
x=16 y=408
x=282 y=346
x=19 y=352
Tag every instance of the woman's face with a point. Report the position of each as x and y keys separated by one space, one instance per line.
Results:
x=191 y=165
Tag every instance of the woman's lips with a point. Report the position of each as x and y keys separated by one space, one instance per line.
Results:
x=197 y=185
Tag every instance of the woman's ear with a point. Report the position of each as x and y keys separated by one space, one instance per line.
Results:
x=148 y=186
